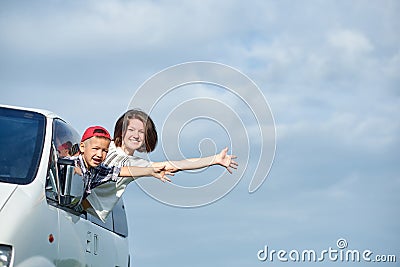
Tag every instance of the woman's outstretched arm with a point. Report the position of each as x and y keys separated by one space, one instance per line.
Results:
x=222 y=159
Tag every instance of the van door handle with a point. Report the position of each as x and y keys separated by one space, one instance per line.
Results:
x=96 y=240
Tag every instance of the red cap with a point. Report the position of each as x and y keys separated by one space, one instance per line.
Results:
x=95 y=131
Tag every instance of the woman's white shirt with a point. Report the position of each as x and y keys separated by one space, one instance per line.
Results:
x=104 y=197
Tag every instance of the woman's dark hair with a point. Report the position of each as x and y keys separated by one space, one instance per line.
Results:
x=150 y=132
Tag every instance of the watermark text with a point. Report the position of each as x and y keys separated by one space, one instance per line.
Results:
x=340 y=253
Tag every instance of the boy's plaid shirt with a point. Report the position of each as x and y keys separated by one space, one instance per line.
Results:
x=94 y=177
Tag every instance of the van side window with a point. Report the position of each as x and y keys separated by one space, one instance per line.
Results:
x=66 y=143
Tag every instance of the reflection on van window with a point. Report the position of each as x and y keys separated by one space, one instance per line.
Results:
x=64 y=150
x=21 y=144
x=66 y=139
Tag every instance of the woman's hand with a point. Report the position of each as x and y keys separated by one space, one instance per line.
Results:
x=226 y=160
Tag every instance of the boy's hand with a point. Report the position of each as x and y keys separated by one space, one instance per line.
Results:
x=160 y=173
x=226 y=160
x=78 y=171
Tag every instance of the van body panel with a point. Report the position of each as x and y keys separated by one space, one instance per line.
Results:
x=78 y=229
x=6 y=190
x=37 y=261
x=29 y=222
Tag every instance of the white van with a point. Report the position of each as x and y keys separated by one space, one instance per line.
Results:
x=39 y=224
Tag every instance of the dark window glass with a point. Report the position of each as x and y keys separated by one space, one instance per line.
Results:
x=120 y=222
x=21 y=144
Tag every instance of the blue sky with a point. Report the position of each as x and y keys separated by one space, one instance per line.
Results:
x=328 y=69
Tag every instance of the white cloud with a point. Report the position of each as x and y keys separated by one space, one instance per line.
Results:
x=351 y=42
x=367 y=132
x=105 y=26
x=374 y=132
x=392 y=68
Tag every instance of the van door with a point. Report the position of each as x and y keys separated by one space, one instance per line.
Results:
x=103 y=246
x=71 y=225
x=74 y=240
x=110 y=241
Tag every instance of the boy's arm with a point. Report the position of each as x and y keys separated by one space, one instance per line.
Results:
x=157 y=172
x=222 y=159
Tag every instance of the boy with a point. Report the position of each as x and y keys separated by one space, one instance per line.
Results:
x=93 y=150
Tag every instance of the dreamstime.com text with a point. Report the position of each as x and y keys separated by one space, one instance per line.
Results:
x=339 y=254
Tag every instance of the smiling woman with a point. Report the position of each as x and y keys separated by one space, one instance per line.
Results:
x=135 y=131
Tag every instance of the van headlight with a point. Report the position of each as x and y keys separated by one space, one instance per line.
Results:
x=5 y=255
